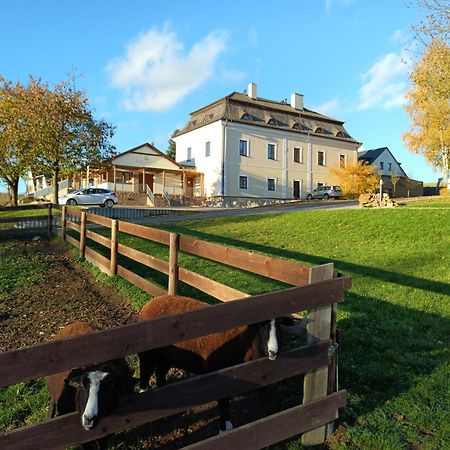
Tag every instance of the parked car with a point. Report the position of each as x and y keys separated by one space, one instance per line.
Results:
x=90 y=196
x=325 y=192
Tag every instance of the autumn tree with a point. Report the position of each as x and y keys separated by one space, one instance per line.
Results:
x=171 y=151
x=437 y=20
x=394 y=180
x=429 y=108
x=16 y=145
x=67 y=137
x=356 y=179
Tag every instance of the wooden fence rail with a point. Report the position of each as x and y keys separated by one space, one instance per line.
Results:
x=316 y=289
x=29 y=224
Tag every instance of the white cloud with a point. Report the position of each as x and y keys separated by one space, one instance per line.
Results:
x=328 y=107
x=384 y=83
x=156 y=71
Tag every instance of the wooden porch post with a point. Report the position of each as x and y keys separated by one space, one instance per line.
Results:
x=144 y=184
x=87 y=176
x=184 y=183
x=202 y=185
x=164 y=180
x=114 y=178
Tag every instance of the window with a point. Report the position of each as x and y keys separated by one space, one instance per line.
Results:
x=189 y=154
x=319 y=184
x=208 y=148
x=243 y=182
x=271 y=184
x=390 y=167
x=272 y=121
x=298 y=154
x=320 y=158
x=270 y=151
x=342 y=161
x=246 y=116
x=381 y=165
x=243 y=147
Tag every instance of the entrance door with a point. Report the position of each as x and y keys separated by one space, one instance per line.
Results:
x=148 y=181
x=190 y=186
x=296 y=189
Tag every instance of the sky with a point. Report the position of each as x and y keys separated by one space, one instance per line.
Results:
x=145 y=65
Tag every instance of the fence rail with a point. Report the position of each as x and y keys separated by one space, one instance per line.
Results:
x=317 y=289
x=29 y=224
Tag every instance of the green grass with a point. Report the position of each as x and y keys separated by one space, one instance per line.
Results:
x=443 y=202
x=395 y=321
x=27 y=212
x=18 y=268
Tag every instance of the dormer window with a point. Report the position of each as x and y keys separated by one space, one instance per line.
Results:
x=207 y=118
x=246 y=116
x=340 y=134
x=272 y=121
x=320 y=130
x=296 y=126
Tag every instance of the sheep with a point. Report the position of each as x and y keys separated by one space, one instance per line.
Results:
x=93 y=390
x=206 y=354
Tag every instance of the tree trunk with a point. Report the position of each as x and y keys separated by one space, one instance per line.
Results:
x=13 y=189
x=55 y=194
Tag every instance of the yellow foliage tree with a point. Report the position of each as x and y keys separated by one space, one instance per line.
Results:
x=357 y=179
x=429 y=108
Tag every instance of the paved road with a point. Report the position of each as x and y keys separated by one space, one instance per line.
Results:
x=303 y=206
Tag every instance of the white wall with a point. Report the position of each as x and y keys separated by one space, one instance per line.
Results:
x=210 y=166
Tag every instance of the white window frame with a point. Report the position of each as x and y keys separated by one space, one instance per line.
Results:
x=189 y=154
x=207 y=149
x=274 y=151
x=248 y=147
x=300 y=155
x=345 y=160
x=324 y=158
x=275 y=182
x=244 y=175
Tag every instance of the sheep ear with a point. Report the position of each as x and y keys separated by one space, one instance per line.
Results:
x=74 y=382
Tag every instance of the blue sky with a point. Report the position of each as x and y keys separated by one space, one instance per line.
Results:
x=145 y=65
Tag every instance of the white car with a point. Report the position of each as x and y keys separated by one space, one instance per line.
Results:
x=90 y=196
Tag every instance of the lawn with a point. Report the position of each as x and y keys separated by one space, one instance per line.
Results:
x=395 y=321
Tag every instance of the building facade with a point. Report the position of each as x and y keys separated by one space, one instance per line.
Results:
x=250 y=147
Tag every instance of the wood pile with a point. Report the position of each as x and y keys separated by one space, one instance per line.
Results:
x=373 y=201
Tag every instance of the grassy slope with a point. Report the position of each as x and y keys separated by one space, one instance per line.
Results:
x=395 y=321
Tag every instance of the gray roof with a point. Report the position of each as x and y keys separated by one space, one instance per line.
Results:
x=371 y=155
x=238 y=107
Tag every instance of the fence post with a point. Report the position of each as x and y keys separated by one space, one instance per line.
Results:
x=173 y=263
x=49 y=220
x=114 y=246
x=63 y=222
x=83 y=234
x=318 y=328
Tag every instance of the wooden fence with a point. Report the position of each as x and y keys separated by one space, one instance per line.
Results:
x=43 y=223
x=316 y=289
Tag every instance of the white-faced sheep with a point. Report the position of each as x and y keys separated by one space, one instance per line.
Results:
x=206 y=354
x=93 y=390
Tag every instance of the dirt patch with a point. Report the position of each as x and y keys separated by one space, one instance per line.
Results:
x=67 y=293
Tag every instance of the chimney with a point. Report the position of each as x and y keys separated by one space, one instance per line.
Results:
x=297 y=101
x=251 y=91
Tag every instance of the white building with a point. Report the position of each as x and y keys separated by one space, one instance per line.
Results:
x=250 y=147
